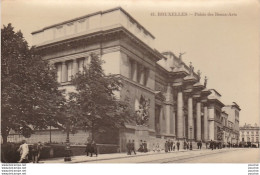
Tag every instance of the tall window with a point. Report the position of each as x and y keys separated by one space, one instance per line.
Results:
x=132 y=69
x=81 y=64
x=146 y=75
x=69 y=67
x=58 y=68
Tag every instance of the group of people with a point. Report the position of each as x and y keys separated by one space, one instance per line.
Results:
x=187 y=145
x=143 y=147
x=91 y=148
x=169 y=146
x=24 y=152
x=130 y=146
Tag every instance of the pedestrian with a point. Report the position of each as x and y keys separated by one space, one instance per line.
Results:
x=24 y=151
x=166 y=146
x=178 y=145
x=173 y=146
x=169 y=145
x=211 y=144
x=88 y=148
x=145 y=147
x=200 y=144
x=190 y=145
x=185 y=144
x=132 y=147
x=36 y=152
x=93 y=149
x=128 y=147
x=141 y=147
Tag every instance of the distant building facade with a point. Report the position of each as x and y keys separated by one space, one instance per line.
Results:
x=233 y=119
x=249 y=133
x=178 y=106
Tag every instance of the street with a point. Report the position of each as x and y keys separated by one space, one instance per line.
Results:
x=235 y=155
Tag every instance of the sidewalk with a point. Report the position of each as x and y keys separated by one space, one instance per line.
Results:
x=84 y=158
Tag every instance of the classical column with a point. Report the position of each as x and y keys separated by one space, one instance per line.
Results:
x=206 y=137
x=168 y=109
x=211 y=113
x=75 y=68
x=180 y=114
x=198 y=121
x=64 y=72
x=190 y=118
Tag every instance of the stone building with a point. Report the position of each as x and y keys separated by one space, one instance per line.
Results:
x=179 y=107
x=249 y=133
x=233 y=117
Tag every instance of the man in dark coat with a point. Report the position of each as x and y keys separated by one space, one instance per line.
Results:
x=178 y=145
x=145 y=147
x=171 y=145
x=88 y=148
x=132 y=147
x=200 y=144
x=128 y=147
x=211 y=144
x=93 y=148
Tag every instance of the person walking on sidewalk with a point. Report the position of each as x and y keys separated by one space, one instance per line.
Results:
x=93 y=148
x=88 y=148
x=24 y=151
x=178 y=145
x=132 y=147
x=211 y=145
x=128 y=147
x=145 y=147
x=36 y=152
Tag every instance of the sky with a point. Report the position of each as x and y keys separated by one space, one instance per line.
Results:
x=224 y=48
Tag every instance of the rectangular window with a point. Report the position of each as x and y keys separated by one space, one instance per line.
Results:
x=132 y=69
x=139 y=72
x=58 y=68
x=81 y=65
x=69 y=67
x=146 y=75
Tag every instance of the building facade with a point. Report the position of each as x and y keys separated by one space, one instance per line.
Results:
x=233 y=117
x=178 y=105
x=249 y=133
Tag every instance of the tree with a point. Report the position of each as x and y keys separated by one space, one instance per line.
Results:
x=94 y=106
x=30 y=95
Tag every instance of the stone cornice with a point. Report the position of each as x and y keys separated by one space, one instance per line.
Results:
x=100 y=35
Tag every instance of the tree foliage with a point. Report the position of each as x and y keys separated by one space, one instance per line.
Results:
x=94 y=105
x=30 y=95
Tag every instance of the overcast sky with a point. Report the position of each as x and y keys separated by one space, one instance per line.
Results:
x=225 y=49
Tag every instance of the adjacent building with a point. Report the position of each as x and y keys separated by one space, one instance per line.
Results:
x=178 y=106
x=249 y=133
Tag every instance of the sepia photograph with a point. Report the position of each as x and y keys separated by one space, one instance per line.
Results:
x=124 y=82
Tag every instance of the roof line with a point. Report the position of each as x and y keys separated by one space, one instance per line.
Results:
x=92 y=14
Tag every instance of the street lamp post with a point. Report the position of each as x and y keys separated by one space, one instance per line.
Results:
x=190 y=138
x=67 y=147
